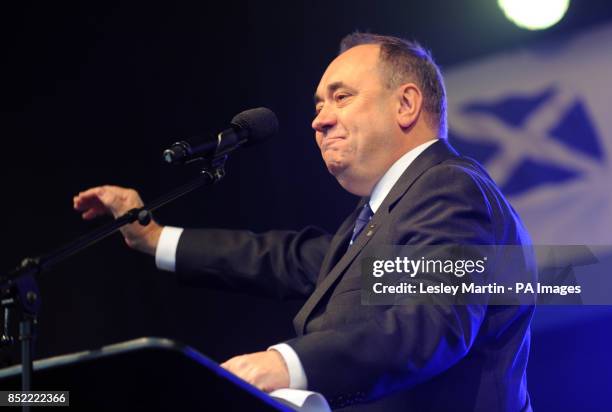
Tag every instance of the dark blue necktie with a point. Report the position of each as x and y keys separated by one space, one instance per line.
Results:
x=362 y=220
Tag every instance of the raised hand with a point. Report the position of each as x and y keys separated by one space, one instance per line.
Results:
x=116 y=201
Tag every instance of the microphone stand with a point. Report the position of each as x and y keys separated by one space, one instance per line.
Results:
x=19 y=291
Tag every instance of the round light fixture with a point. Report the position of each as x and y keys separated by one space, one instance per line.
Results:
x=534 y=14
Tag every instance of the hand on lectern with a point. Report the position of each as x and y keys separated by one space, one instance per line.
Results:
x=116 y=201
x=265 y=370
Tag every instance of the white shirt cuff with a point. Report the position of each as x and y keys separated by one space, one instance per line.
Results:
x=165 y=253
x=297 y=376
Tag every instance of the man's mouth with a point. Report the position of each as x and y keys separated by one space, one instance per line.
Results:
x=329 y=141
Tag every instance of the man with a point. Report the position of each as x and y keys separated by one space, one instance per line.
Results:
x=380 y=125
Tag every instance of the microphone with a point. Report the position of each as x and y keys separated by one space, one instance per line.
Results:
x=246 y=128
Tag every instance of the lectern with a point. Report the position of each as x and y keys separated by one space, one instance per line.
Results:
x=145 y=374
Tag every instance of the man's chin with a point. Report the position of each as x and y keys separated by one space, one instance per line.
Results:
x=337 y=169
x=342 y=175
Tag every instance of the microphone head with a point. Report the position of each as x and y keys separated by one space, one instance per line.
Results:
x=259 y=124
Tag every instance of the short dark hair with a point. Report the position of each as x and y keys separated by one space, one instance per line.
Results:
x=405 y=60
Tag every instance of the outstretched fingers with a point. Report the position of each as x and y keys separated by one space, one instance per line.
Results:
x=97 y=201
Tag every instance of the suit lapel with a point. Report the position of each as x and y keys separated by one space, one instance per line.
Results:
x=433 y=155
x=326 y=282
x=339 y=242
x=330 y=273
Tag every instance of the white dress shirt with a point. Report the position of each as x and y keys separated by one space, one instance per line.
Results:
x=165 y=254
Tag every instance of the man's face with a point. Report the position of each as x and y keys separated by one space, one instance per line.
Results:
x=355 y=126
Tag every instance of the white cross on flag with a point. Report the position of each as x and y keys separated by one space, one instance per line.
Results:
x=540 y=120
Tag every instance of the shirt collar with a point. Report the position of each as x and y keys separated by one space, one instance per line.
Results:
x=386 y=183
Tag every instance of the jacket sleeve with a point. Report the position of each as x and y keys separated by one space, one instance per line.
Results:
x=281 y=264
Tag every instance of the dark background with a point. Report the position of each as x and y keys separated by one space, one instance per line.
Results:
x=91 y=94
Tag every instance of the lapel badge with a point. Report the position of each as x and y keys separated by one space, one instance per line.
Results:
x=370 y=231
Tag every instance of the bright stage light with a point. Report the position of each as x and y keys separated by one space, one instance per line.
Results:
x=534 y=14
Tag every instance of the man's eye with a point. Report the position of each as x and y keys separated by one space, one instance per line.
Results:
x=341 y=96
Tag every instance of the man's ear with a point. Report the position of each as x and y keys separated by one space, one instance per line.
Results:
x=410 y=104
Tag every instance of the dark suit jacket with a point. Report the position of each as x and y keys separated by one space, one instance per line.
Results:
x=387 y=358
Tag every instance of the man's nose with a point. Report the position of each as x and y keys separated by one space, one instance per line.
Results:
x=324 y=120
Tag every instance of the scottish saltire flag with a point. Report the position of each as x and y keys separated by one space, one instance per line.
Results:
x=540 y=120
